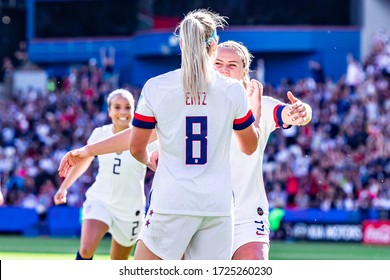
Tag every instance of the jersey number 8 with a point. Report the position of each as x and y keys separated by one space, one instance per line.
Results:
x=196 y=140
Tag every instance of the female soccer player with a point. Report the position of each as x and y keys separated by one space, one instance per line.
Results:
x=115 y=202
x=193 y=109
x=251 y=225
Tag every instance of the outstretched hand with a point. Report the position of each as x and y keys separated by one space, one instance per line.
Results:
x=71 y=159
x=298 y=112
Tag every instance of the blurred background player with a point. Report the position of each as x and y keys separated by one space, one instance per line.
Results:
x=251 y=226
x=115 y=202
x=1 y=197
x=193 y=110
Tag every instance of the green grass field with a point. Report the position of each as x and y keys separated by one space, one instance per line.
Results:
x=48 y=248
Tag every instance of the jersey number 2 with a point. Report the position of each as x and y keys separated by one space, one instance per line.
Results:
x=116 y=164
x=196 y=140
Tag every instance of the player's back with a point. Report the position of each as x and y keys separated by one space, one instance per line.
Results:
x=193 y=172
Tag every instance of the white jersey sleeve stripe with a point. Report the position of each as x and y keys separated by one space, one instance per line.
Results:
x=244 y=122
x=142 y=121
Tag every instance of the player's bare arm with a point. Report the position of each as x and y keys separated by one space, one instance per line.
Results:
x=71 y=174
x=117 y=143
x=248 y=139
x=139 y=139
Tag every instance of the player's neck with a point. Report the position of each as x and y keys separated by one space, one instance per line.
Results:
x=116 y=129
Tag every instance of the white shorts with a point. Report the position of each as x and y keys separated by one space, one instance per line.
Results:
x=125 y=232
x=171 y=237
x=253 y=231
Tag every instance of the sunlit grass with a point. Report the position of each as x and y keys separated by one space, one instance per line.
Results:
x=49 y=248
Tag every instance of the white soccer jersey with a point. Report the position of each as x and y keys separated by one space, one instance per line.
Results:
x=193 y=173
x=250 y=198
x=119 y=183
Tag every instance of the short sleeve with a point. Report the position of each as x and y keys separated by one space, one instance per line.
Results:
x=94 y=137
x=143 y=116
x=244 y=116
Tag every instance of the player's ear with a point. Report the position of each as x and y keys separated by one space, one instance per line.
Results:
x=244 y=73
x=213 y=47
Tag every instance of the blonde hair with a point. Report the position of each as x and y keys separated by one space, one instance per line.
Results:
x=243 y=53
x=197 y=33
x=125 y=94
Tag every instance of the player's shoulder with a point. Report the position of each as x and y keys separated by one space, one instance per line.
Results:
x=230 y=88
x=164 y=78
x=104 y=128
x=160 y=85
x=100 y=132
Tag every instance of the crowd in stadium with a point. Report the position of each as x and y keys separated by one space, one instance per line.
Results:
x=341 y=160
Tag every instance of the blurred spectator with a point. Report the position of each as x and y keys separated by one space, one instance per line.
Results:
x=15 y=180
x=260 y=71
x=355 y=74
x=277 y=197
x=21 y=55
x=107 y=58
x=1 y=194
x=290 y=135
x=145 y=14
x=6 y=76
x=109 y=75
x=292 y=187
x=45 y=197
x=317 y=72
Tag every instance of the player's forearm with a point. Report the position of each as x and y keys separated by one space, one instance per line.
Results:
x=257 y=115
x=256 y=111
x=141 y=155
x=139 y=139
x=75 y=172
x=114 y=144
